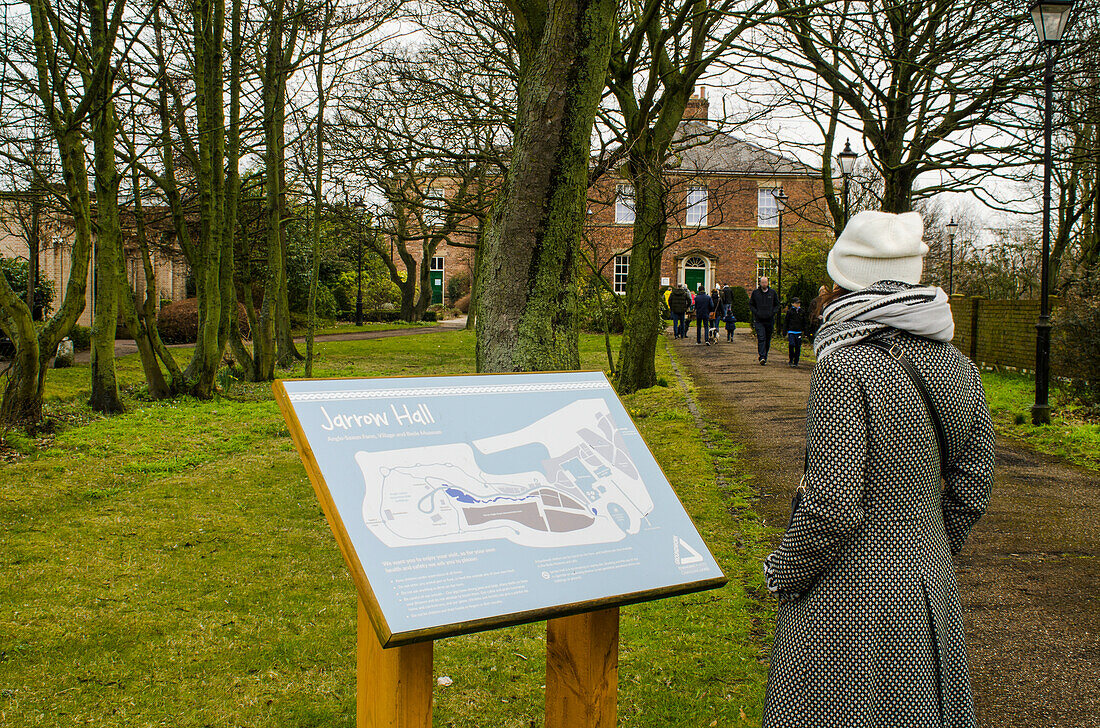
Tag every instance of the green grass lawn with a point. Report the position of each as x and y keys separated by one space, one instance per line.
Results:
x=171 y=566
x=1069 y=435
x=346 y=327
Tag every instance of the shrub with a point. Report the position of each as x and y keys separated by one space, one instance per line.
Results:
x=802 y=289
x=1076 y=350
x=81 y=337
x=16 y=271
x=326 y=303
x=390 y=315
x=591 y=317
x=741 y=309
x=378 y=290
x=463 y=304
x=179 y=322
x=458 y=285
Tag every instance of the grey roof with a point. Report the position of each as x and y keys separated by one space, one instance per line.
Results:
x=702 y=148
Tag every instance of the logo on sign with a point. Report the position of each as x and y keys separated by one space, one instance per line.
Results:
x=684 y=554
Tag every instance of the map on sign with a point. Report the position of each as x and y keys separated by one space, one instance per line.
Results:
x=470 y=502
x=587 y=491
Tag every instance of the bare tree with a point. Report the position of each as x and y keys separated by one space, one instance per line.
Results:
x=424 y=134
x=663 y=49
x=59 y=73
x=190 y=81
x=1075 y=249
x=915 y=78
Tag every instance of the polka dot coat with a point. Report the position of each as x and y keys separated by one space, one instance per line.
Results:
x=870 y=629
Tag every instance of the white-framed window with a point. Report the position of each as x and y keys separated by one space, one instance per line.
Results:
x=433 y=206
x=766 y=265
x=437 y=263
x=622 y=267
x=767 y=209
x=624 y=204
x=697 y=206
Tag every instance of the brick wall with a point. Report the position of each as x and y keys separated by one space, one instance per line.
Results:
x=998 y=333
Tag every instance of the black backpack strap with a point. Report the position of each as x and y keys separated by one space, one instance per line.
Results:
x=896 y=353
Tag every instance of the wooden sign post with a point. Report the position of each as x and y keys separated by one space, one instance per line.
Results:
x=469 y=503
x=393 y=686
x=582 y=670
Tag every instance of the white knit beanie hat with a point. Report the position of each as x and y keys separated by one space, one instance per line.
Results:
x=877 y=246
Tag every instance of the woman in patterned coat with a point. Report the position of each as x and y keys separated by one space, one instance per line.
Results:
x=870 y=629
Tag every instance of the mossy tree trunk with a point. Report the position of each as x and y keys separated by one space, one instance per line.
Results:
x=65 y=117
x=108 y=248
x=527 y=318
x=108 y=252
x=228 y=330
x=271 y=340
x=22 y=403
x=208 y=17
x=139 y=311
x=641 y=311
x=213 y=159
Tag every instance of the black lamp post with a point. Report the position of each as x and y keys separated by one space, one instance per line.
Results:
x=1050 y=18
x=952 y=228
x=780 y=202
x=846 y=160
x=359 y=264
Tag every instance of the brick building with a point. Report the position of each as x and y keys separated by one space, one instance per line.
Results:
x=723 y=214
x=55 y=235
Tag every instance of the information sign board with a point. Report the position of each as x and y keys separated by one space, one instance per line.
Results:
x=463 y=503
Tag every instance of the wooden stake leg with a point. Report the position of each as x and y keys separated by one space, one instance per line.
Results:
x=393 y=687
x=582 y=670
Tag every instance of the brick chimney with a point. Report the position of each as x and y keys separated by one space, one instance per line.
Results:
x=697 y=106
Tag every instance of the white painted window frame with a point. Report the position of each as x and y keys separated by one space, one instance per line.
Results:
x=624 y=204
x=622 y=268
x=697 y=206
x=767 y=208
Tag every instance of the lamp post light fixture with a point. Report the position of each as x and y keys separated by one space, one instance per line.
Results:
x=847 y=162
x=1050 y=18
x=952 y=228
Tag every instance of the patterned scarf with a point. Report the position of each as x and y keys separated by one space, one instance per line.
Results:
x=884 y=305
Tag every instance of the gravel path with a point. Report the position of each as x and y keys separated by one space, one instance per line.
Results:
x=1029 y=576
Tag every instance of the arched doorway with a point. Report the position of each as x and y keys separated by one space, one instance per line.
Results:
x=695 y=272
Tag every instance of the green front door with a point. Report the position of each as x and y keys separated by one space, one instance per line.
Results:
x=695 y=277
x=435 y=276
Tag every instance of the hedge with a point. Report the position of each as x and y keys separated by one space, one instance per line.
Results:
x=178 y=323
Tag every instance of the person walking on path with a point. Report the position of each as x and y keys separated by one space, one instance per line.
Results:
x=869 y=629
x=796 y=324
x=727 y=295
x=679 y=301
x=730 y=321
x=704 y=304
x=717 y=314
x=764 y=304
